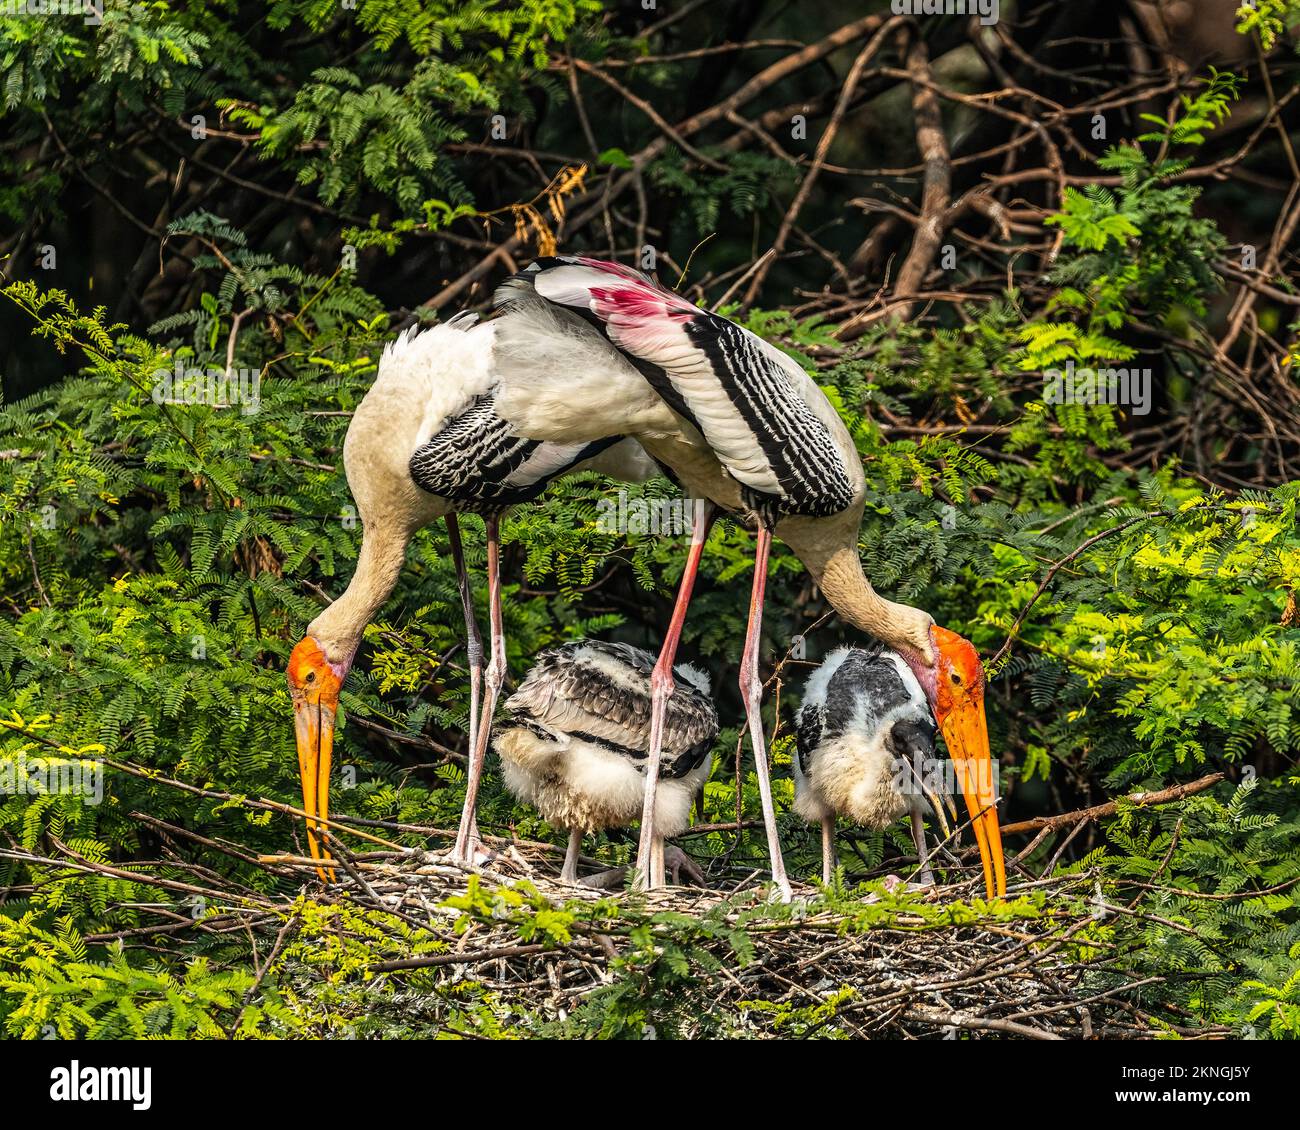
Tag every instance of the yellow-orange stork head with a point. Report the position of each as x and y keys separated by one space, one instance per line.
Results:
x=954 y=683
x=314 y=689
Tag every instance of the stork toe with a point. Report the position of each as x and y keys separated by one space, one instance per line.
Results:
x=680 y=864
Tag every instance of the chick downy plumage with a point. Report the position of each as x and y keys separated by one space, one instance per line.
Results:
x=576 y=737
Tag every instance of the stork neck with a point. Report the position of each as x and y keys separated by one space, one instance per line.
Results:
x=838 y=572
x=338 y=628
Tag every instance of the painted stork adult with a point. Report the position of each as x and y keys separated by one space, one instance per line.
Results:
x=740 y=424
x=426 y=442
x=864 y=748
x=576 y=739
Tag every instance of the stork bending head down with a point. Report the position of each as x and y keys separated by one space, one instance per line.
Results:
x=580 y=351
x=428 y=441
x=741 y=425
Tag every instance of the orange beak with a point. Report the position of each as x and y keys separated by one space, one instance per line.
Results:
x=966 y=733
x=314 y=728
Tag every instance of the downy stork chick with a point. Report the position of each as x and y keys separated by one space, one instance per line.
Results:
x=576 y=739
x=865 y=738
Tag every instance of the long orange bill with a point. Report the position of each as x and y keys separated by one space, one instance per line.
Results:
x=314 y=728
x=967 y=735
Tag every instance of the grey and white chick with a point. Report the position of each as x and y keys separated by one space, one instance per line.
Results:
x=864 y=738
x=576 y=739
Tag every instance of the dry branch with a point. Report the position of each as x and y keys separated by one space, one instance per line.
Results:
x=1097 y=811
x=937 y=186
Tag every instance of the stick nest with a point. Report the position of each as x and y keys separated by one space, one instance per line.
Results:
x=868 y=963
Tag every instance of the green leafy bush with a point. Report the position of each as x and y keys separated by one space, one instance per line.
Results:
x=159 y=558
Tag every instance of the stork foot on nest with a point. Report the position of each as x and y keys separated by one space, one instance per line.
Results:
x=679 y=864
x=895 y=885
x=476 y=854
x=680 y=867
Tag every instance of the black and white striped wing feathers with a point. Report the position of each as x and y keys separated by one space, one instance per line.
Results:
x=600 y=692
x=470 y=453
x=477 y=460
x=748 y=399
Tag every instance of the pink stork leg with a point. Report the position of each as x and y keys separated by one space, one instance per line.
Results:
x=751 y=693
x=649 y=855
x=467 y=838
x=569 y=872
x=473 y=640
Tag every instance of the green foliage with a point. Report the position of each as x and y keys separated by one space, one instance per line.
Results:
x=1145 y=253
x=53 y=989
x=1174 y=626
x=344 y=129
x=1271 y=19
x=160 y=553
x=387 y=139
x=1217 y=882
x=750 y=182
x=137 y=49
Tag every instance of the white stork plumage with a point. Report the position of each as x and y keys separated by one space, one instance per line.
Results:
x=576 y=737
x=426 y=442
x=864 y=748
x=583 y=350
x=737 y=422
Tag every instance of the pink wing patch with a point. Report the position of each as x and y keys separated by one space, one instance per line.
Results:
x=642 y=317
x=610 y=290
x=637 y=312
